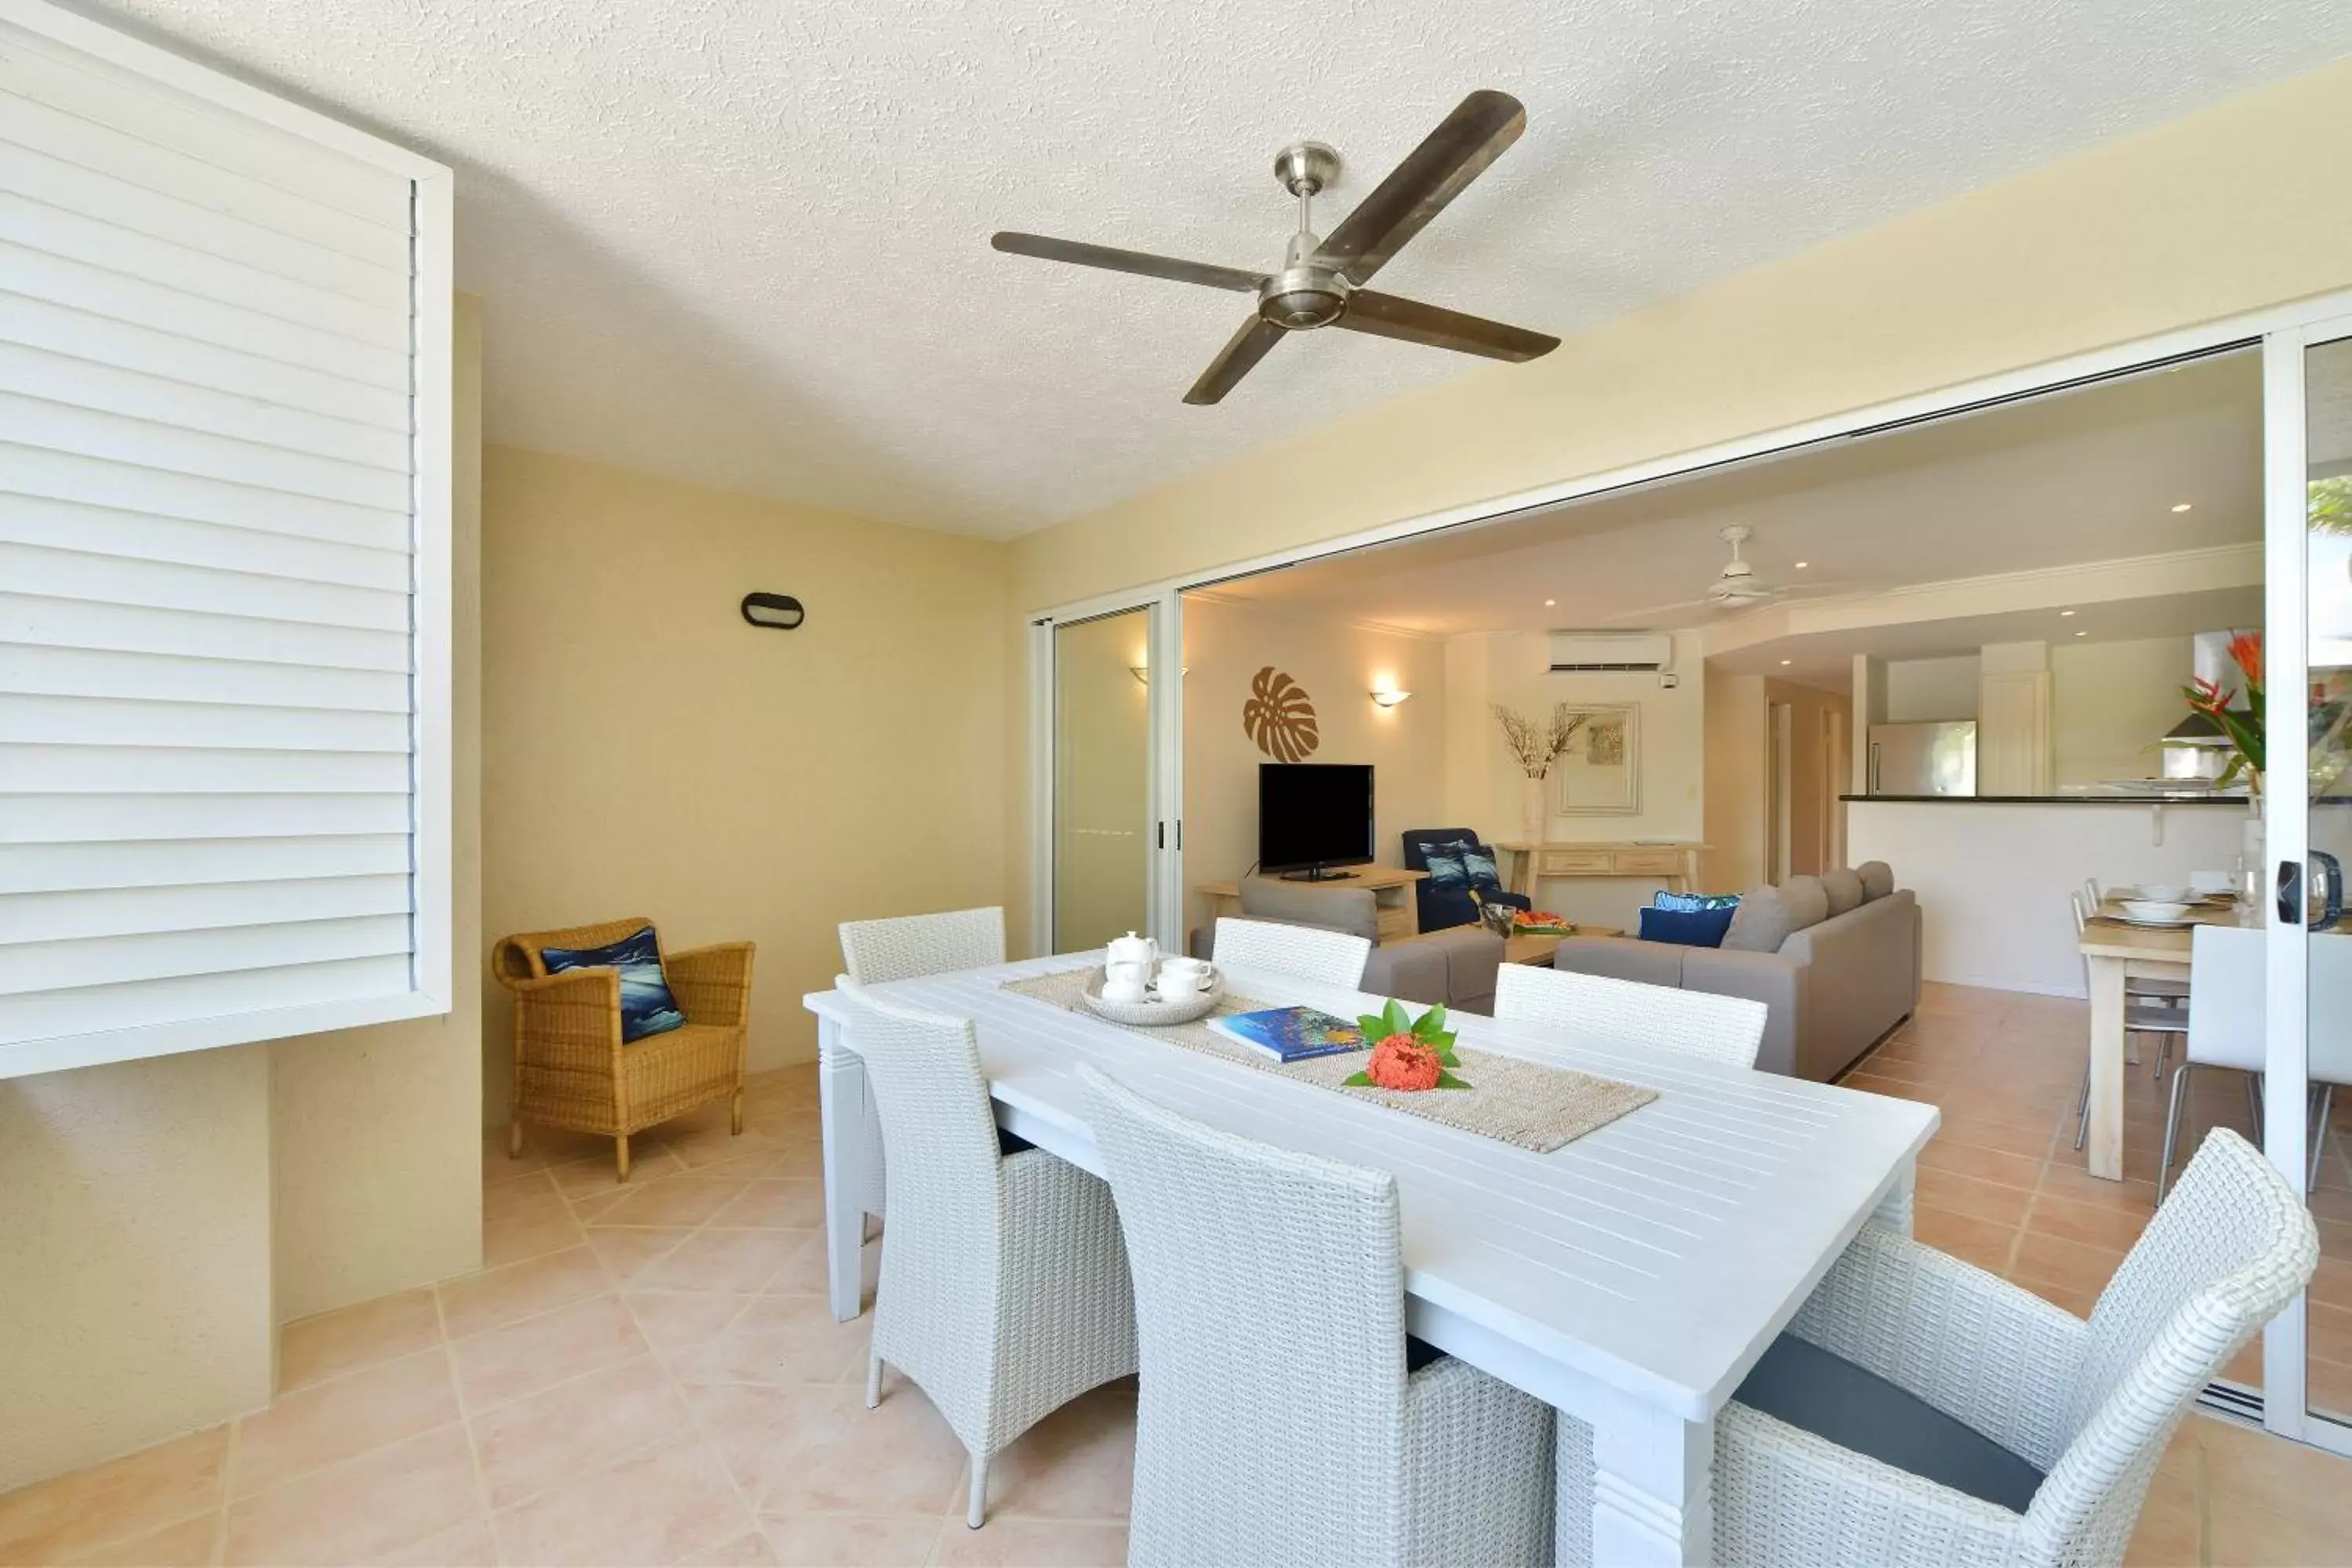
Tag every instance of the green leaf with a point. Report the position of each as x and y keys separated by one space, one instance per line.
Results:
x=1372 y=1026
x=1393 y=1016
x=1445 y=1056
x=1430 y=1024
x=1448 y=1080
x=1356 y=1081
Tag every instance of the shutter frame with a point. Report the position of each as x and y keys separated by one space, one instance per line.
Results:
x=264 y=143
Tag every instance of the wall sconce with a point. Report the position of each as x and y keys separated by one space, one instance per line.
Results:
x=1389 y=699
x=779 y=612
x=1142 y=672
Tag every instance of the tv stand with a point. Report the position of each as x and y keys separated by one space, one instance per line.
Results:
x=1319 y=874
x=1397 y=908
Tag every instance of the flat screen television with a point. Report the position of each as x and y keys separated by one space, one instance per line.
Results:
x=1312 y=816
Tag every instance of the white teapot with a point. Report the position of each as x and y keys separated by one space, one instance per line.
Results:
x=1131 y=959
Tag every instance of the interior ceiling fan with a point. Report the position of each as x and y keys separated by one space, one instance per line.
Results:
x=1736 y=587
x=1321 y=282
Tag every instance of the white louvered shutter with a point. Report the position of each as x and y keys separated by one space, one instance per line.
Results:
x=223 y=483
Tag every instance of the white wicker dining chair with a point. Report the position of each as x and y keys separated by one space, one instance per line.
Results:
x=1280 y=1419
x=2091 y=1405
x=1728 y=1029
x=1303 y=953
x=905 y=947
x=1005 y=1290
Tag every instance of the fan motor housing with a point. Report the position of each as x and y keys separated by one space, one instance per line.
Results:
x=1298 y=298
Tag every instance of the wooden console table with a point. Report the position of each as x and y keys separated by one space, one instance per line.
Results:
x=1676 y=864
x=1397 y=909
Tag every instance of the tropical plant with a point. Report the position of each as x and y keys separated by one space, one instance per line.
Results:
x=2244 y=726
x=2328 y=504
x=1538 y=746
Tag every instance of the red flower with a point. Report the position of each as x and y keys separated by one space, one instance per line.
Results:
x=1403 y=1062
x=2246 y=651
x=2207 y=695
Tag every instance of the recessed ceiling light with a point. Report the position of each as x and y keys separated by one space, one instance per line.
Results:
x=2065 y=611
x=2182 y=506
x=1550 y=603
x=1788 y=661
x=1802 y=565
x=2082 y=633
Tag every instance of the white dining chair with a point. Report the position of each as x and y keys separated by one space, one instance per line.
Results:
x=2141 y=1016
x=2227 y=1005
x=1302 y=953
x=907 y=947
x=1004 y=1291
x=1933 y=1413
x=1284 y=1417
x=1728 y=1029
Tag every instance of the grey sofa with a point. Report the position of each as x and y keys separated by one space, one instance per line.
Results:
x=1455 y=967
x=1834 y=984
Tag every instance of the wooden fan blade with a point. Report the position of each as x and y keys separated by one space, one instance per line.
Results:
x=1476 y=133
x=1391 y=316
x=1241 y=350
x=1117 y=260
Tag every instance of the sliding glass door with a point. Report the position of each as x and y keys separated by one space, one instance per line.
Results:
x=1109 y=829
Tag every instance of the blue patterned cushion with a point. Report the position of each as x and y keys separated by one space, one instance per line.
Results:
x=1446 y=870
x=1480 y=865
x=646 y=1005
x=1687 y=902
x=1691 y=928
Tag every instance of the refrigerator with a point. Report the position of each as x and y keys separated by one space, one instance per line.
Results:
x=1924 y=759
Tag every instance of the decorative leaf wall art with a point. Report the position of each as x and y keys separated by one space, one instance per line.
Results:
x=1279 y=718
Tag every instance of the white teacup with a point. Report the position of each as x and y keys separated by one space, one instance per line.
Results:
x=1180 y=974
x=1123 y=987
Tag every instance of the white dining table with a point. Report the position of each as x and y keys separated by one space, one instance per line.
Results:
x=1630 y=1278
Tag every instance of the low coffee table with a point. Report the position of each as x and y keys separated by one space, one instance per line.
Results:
x=1538 y=950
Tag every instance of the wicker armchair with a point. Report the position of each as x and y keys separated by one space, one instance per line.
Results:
x=571 y=1069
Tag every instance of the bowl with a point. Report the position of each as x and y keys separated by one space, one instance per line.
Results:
x=2164 y=893
x=2154 y=909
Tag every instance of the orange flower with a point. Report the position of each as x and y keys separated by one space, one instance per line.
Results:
x=2246 y=651
x=1403 y=1062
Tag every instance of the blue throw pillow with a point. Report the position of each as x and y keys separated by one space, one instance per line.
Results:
x=1480 y=865
x=646 y=1005
x=1447 y=871
x=1689 y=901
x=1691 y=928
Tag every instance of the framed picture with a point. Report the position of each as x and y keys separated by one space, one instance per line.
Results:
x=1599 y=774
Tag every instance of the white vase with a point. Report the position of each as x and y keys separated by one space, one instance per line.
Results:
x=1535 y=817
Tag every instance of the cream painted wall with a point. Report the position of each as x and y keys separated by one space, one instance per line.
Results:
x=644 y=751
x=2110 y=700
x=1735 y=753
x=1486 y=786
x=161 y=1217
x=1102 y=781
x=2218 y=213
x=1931 y=691
x=1225 y=645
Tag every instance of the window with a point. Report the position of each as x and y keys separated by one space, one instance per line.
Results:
x=224 y=482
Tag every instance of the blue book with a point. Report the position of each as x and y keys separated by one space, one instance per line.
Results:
x=1291 y=1034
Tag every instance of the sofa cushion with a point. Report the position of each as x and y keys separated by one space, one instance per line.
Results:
x=1618 y=958
x=1844 y=890
x=1349 y=909
x=1445 y=867
x=1666 y=900
x=646 y=1005
x=1479 y=861
x=1877 y=880
x=1768 y=916
x=1691 y=928
x=1806 y=1387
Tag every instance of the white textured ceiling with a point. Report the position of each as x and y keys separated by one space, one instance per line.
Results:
x=746 y=243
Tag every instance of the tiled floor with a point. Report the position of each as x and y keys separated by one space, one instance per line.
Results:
x=648 y=1373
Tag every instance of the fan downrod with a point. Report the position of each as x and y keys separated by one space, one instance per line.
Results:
x=1304 y=295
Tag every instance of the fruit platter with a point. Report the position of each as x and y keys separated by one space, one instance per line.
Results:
x=1540 y=922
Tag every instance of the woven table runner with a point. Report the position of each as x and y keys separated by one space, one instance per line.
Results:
x=1511 y=1099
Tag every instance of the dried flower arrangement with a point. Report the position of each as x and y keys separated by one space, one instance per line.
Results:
x=1538 y=746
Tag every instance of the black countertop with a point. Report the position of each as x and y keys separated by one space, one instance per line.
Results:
x=2238 y=801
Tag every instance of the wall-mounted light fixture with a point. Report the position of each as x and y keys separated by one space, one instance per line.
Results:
x=777 y=612
x=1390 y=697
x=1142 y=672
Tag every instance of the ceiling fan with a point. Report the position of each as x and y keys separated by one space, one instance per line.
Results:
x=1321 y=282
x=1736 y=587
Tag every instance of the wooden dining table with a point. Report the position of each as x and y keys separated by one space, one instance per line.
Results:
x=1630 y=1278
x=2113 y=949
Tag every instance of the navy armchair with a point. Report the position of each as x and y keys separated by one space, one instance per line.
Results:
x=1443 y=908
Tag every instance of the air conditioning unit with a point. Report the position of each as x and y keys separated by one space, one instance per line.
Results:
x=1640 y=652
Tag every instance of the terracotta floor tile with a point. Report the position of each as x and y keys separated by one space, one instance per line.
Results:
x=500 y=1296
x=2041 y=1255
x=2284 y=1477
x=2244 y=1535
x=525 y=1192
x=2114 y=1229
x=542 y=1442
x=628 y=1256
x=819 y=1450
x=2075 y=1298
x=854 y=1541
x=1979 y=1241
x=519 y=1236
x=337 y=1420
x=2031 y=1141
x=538 y=1353
x=680 y=1200
x=112 y=1501
x=1076 y=1464
x=466 y=1544
x=661 y=1505
x=775 y=1204
x=187 y=1544
x=731 y=1261
x=1967 y=1195
x=783 y=1340
x=366 y=1508
x=752 y=1551
x=2079 y=1186
x=1031 y=1544
x=315 y=1348
x=1943 y=1153
x=679 y=1323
